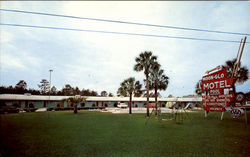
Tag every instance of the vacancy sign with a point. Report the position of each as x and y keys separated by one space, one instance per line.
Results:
x=214 y=85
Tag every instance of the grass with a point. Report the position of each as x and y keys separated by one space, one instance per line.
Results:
x=64 y=134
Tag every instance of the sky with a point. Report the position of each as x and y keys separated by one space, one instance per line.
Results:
x=98 y=61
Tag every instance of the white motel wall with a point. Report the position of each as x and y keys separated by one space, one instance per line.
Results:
x=39 y=101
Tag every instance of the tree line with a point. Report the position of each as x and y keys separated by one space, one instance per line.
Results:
x=44 y=89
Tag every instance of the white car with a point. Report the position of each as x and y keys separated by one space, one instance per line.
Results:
x=122 y=105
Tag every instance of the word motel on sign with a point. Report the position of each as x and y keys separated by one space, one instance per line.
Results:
x=216 y=85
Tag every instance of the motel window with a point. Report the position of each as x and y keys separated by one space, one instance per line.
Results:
x=2 y=103
x=31 y=105
x=15 y=105
x=83 y=104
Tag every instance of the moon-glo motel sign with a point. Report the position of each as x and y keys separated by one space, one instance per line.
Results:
x=214 y=84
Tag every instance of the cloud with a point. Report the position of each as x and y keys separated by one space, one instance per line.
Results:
x=12 y=62
x=5 y=37
x=101 y=61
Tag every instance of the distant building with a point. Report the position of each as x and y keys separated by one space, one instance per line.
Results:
x=39 y=101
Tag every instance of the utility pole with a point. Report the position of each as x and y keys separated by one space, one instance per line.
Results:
x=50 y=83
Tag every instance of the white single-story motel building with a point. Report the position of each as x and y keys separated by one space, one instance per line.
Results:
x=40 y=101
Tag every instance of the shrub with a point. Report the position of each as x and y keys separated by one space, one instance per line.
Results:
x=15 y=105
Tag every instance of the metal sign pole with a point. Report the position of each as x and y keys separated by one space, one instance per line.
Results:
x=245 y=117
x=237 y=58
x=238 y=63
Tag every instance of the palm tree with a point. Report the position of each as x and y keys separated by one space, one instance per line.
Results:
x=130 y=87
x=143 y=63
x=242 y=75
x=75 y=100
x=157 y=81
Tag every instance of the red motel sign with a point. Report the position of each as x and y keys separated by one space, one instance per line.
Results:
x=217 y=80
x=219 y=84
x=215 y=76
x=214 y=84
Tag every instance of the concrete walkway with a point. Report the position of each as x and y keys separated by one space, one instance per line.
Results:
x=139 y=110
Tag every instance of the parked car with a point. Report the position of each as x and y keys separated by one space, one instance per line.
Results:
x=150 y=105
x=9 y=109
x=122 y=105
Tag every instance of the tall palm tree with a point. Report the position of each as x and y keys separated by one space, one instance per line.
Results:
x=242 y=76
x=75 y=100
x=130 y=87
x=143 y=63
x=157 y=81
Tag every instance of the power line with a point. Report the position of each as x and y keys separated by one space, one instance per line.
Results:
x=122 y=33
x=126 y=22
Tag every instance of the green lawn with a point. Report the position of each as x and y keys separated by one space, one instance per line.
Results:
x=64 y=134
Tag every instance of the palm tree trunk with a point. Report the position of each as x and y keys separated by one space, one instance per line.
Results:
x=147 y=95
x=130 y=106
x=156 y=95
x=75 y=108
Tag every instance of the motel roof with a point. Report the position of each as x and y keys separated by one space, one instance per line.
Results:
x=93 y=98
